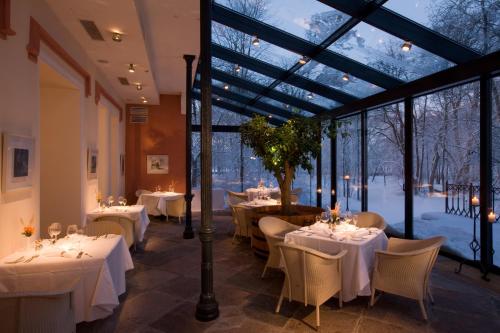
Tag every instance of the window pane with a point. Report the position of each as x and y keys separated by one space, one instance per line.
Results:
x=446 y=166
x=472 y=23
x=242 y=43
x=220 y=116
x=306 y=95
x=243 y=72
x=349 y=164
x=382 y=51
x=496 y=167
x=331 y=77
x=307 y=182
x=308 y=19
x=254 y=171
x=293 y=110
x=385 y=162
x=326 y=185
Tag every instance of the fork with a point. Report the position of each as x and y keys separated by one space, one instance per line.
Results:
x=18 y=260
x=80 y=254
x=31 y=258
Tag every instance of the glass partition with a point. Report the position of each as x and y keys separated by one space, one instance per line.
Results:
x=349 y=164
x=385 y=162
x=326 y=184
x=496 y=167
x=446 y=167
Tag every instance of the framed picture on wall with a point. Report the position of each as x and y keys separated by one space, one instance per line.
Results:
x=122 y=164
x=157 y=164
x=92 y=155
x=17 y=162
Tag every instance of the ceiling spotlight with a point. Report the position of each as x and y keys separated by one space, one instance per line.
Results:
x=138 y=86
x=237 y=68
x=303 y=60
x=131 y=68
x=116 y=37
x=218 y=98
x=310 y=95
x=345 y=77
x=255 y=41
x=144 y=101
x=406 y=47
x=226 y=87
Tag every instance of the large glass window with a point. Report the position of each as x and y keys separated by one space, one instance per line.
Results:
x=385 y=140
x=446 y=166
x=496 y=167
x=326 y=184
x=219 y=116
x=349 y=164
x=307 y=183
x=473 y=23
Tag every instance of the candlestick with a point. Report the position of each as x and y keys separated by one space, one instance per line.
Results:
x=475 y=201
x=492 y=217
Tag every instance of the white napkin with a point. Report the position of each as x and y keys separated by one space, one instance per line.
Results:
x=322 y=228
x=360 y=233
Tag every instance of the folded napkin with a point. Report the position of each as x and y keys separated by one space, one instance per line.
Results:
x=360 y=233
x=322 y=228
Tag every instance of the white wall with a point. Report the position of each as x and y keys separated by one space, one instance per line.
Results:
x=20 y=112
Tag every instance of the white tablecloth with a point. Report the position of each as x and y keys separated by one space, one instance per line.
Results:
x=259 y=203
x=156 y=203
x=253 y=192
x=137 y=213
x=357 y=264
x=101 y=278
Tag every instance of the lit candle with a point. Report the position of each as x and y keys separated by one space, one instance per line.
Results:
x=475 y=201
x=318 y=190
x=333 y=192
x=347 y=177
x=492 y=217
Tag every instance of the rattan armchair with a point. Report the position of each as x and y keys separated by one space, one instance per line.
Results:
x=404 y=269
x=176 y=208
x=127 y=224
x=100 y=228
x=311 y=277
x=274 y=229
x=370 y=220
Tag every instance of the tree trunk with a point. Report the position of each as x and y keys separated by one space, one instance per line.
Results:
x=285 y=183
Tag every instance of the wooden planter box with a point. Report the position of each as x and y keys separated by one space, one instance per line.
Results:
x=303 y=215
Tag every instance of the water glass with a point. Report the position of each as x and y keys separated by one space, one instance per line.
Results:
x=325 y=217
x=71 y=230
x=55 y=230
x=111 y=201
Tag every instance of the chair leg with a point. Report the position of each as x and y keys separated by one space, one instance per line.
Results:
x=264 y=272
x=278 y=306
x=430 y=295
x=317 y=316
x=340 y=298
x=372 y=299
x=422 y=308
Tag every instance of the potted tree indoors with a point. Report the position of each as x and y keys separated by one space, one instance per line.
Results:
x=283 y=150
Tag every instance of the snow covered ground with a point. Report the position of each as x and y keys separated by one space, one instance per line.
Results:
x=430 y=218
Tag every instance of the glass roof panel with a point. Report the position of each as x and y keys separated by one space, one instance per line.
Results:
x=242 y=43
x=380 y=50
x=306 y=95
x=285 y=106
x=307 y=19
x=243 y=72
x=473 y=23
x=230 y=88
x=334 y=78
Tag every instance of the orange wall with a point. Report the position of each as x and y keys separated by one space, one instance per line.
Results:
x=163 y=134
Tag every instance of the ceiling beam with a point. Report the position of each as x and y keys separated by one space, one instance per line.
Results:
x=399 y=26
x=239 y=110
x=274 y=94
x=300 y=46
x=276 y=73
x=486 y=65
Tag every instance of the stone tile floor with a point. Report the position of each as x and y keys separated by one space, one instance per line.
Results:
x=163 y=289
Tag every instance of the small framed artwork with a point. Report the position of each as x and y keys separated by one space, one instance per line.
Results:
x=122 y=164
x=92 y=155
x=18 y=161
x=157 y=164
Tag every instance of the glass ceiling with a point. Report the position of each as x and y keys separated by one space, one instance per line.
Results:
x=474 y=24
x=313 y=21
x=287 y=107
x=307 y=19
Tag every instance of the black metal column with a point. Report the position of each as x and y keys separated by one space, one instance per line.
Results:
x=364 y=162
x=318 y=171
x=242 y=167
x=333 y=167
x=485 y=174
x=188 y=230
x=207 y=308
x=408 y=164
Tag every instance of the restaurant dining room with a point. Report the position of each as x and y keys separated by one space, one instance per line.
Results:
x=249 y=166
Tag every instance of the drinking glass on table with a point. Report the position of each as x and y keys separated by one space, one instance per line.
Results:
x=111 y=200
x=317 y=218
x=325 y=217
x=55 y=230
x=71 y=230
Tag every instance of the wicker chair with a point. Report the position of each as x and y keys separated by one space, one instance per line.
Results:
x=234 y=198
x=127 y=224
x=274 y=229
x=370 y=219
x=176 y=208
x=138 y=193
x=38 y=312
x=311 y=277
x=99 y=228
x=404 y=269
x=241 y=221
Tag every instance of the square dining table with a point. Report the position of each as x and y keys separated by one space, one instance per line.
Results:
x=99 y=272
x=357 y=264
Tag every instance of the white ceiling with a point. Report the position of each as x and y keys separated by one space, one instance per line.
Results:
x=157 y=33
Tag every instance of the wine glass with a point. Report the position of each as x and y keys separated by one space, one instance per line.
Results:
x=325 y=217
x=317 y=218
x=55 y=230
x=111 y=200
x=120 y=201
x=71 y=230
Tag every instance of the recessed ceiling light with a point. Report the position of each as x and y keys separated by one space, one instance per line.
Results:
x=218 y=98
x=406 y=47
x=117 y=37
x=144 y=101
x=226 y=87
x=310 y=95
x=270 y=116
x=303 y=60
x=237 y=68
x=138 y=86
x=345 y=77
x=255 y=41
x=131 y=68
